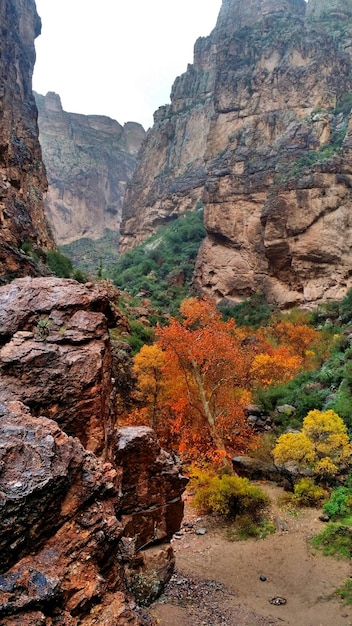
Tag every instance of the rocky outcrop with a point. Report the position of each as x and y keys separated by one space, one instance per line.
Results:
x=22 y=175
x=89 y=159
x=259 y=129
x=55 y=356
x=86 y=510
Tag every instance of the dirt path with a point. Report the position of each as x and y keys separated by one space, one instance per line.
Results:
x=217 y=581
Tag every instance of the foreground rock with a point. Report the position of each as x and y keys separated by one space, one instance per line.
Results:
x=79 y=529
x=55 y=354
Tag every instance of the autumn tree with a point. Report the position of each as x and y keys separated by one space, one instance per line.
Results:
x=302 y=340
x=194 y=382
x=323 y=445
x=208 y=371
x=150 y=394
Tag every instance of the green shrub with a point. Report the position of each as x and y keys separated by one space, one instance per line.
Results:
x=59 y=264
x=247 y=528
x=231 y=496
x=139 y=336
x=145 y=586
x=303 y=392
x=307 y=493
x=345 y=592
x=93 y=256
x=253 y=311
x=335 y=540
x=339 y=504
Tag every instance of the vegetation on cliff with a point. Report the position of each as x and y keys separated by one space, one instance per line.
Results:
x=161 y=268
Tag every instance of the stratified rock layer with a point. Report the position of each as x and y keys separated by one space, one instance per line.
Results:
x=22 y=175
x=80 y=500
x=89 y=159
x=259 y=129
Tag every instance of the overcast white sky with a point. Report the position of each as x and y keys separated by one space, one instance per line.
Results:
x=117 y=57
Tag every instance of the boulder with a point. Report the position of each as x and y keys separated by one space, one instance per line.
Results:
x=83 y=506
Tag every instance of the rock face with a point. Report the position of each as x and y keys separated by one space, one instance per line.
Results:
x=86 y=510
x=22 y=175
x=89 y=159
x=259 y=129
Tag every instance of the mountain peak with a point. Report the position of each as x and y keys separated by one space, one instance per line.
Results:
x=234 y=14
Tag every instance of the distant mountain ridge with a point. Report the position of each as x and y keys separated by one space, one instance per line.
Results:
x=89 y=159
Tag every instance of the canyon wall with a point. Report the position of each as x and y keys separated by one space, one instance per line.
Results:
x=89 y=159
x=22 y=174
x=259 y=130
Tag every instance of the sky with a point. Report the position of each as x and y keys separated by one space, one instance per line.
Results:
x=117 y=57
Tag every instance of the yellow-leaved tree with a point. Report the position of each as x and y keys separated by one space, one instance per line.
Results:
x=323 y=445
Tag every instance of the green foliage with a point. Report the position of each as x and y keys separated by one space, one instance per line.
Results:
x=96 y=256
x=339 y=504
x=139 y=336
x=59 y=264
x=43 y=328
x=79 y=276
x=307 y=493
x=326 y=151
x=27 y=247
x=345 y=592
x=344 y=104
x=162 y=267
x=246 y=528
x=335 y=540
x=302 y=392
x=230 y=496
x=253 y=311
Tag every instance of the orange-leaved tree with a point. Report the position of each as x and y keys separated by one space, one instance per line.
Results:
x=207 y=369
x=194 y=382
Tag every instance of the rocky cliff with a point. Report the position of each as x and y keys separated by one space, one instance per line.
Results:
x=259 y=129
x=89 y=159
x=22 y=175
x=86 y=510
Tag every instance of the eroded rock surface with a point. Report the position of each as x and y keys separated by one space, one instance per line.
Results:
x=22 y=174
x=89 y=160
x=55 y=354
x=80 y=502
x=259 y=130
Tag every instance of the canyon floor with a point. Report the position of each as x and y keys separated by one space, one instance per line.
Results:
x=217 y=581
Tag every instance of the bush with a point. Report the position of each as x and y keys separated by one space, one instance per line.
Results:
x=345 y=592
x=323 y=445
x=339 y=504
x=230 y=496
x=139 y=336
x=253 y=312
x=335 y=540
x=59 y=264
x=246 y=528
x=307 y=493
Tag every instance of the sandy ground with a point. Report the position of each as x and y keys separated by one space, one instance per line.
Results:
x=217 y=581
